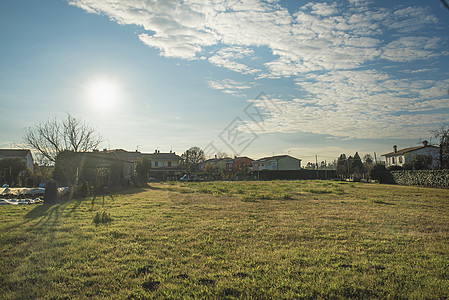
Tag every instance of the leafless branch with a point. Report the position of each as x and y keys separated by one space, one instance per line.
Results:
x=445 y=3
x=53 y=136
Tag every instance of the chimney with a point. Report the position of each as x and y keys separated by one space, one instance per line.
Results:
x=395 y=148
x=425 y=143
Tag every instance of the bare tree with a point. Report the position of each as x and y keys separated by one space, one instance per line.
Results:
x=443 y=135
x=53 y=136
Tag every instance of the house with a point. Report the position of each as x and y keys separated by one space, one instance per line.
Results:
x=23 y=154
x=127 y=159
x=165 y=165
x=405 y=156
x=238 y=164
x=277 y=163
x=215 y=164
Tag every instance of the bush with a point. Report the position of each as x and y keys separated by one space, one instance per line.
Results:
x=82 y=190
x=422 y=162
x=51 y=193
x=395 y=168
x=143 y=168
x=380 y=173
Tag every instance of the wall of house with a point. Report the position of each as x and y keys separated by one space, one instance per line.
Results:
x=431 y=151
x=289 y=163
x=164 y=163
x=396 y=160
x=270 y=165
x=401 y=159
x=30 y=162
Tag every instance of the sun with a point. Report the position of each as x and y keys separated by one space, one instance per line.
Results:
x=103 y=94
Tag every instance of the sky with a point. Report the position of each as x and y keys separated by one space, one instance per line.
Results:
x=312 y=79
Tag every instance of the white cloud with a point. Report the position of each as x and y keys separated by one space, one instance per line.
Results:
x=357 y=104
x=411 y=48
x=320 y=36
x=331 y=51
x=226 y=57
x=230 y=86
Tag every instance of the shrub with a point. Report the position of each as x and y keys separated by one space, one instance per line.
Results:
x=422 y=162
x=380 y=173
x=394 y=168
x=82 y=190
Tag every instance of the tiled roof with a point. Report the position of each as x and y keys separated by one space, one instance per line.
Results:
x=172 y=156
x=406 y=150
x=277 y=157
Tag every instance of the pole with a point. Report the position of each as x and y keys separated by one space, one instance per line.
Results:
x=316 y=160
x=325 y=169
x=187 y=161
x=375 y=158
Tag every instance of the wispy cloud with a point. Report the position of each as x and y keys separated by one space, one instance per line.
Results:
x=230 y=86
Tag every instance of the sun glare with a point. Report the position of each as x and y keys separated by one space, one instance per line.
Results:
x=103 y=95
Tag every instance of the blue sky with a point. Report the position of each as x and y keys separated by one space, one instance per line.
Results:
x=254 y=78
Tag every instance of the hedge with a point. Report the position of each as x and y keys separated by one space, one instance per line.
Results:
x=429 y=178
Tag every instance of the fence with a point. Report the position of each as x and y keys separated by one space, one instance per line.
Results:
x=295 y=174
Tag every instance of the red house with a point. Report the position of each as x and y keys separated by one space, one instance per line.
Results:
x=238 y=164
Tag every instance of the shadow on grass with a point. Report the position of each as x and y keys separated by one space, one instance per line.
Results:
x=154 y=188
x=382 y=202
x=47 y=216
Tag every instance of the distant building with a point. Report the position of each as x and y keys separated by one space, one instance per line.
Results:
x=218 y=164
x=165 y=165
x=107 y=158
x=238 y=164
x=277 y=163
x=23 y=154
x=405 y=156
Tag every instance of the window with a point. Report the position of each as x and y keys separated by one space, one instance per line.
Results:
x=156 y=163
x=169 y=164
x=393 y=160
x=400 y=159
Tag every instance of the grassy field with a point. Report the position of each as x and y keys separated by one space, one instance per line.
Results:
x=280 y=240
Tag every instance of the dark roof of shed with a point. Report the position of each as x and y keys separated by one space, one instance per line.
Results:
x=22 y=153
x=277 y=157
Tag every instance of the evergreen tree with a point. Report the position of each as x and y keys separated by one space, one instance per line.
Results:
x=342 y=166
x=356 y=165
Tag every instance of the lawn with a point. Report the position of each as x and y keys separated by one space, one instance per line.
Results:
x=279 y=240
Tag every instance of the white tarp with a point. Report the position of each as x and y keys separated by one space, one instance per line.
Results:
x=19 y=201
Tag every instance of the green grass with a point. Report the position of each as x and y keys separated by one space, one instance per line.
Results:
x=279 y=240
